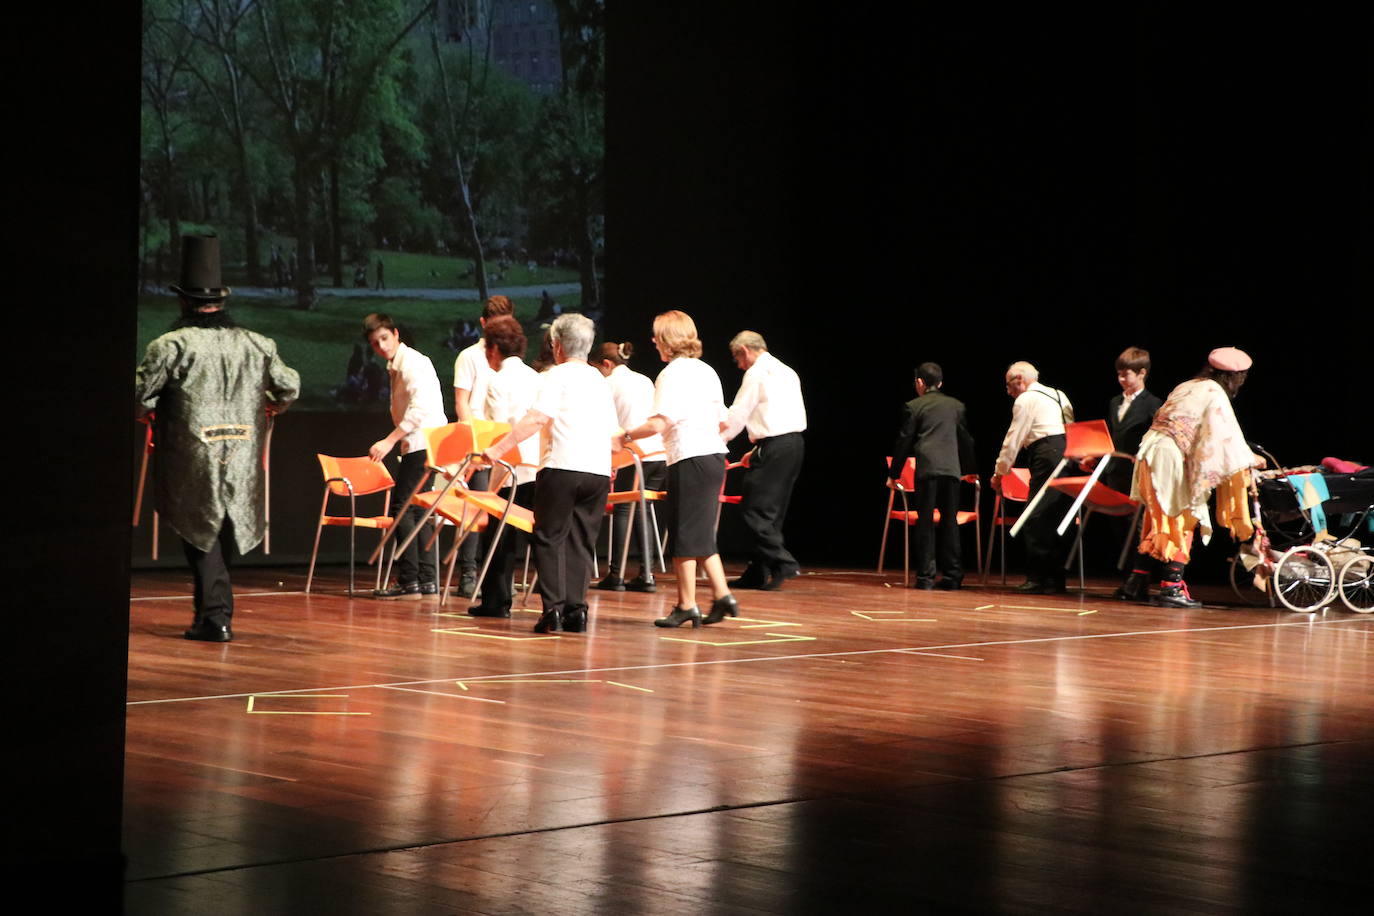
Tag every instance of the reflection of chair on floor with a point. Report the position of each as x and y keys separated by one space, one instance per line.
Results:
x=1091 y=439
x=351 y=478
x=1015 y=488
x=641 y=503
x=906 y=486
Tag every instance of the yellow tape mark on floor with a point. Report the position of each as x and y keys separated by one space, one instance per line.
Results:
x=778 y=637
x=1041 y=607
x=759 y=623
x=984 y=607
x=865 y=616
x=542 y=680
x=629 y=686
x=302 y=696
x=474 y=631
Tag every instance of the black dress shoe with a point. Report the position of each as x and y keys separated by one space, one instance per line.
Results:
x=679 y=616
x=467 y=583
x=209 y=632
x=551 y=621
x=949 y=585
x=722 y=607
x=752 y=577
x=392 y=592
x=641 y=583
x=481 y=610
x=575 y=620
x=612 y=583
x=427 y=588
x=1175 y=595
x=776 y=577
x=1031 y=587
x=1135 y=588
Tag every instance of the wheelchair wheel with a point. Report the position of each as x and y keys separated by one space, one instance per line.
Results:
x=1303 y=579
x=1356 y=583
x=1243 y=584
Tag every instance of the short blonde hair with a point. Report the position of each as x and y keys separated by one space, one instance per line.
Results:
x=677 y=333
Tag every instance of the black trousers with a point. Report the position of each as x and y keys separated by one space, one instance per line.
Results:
x=496 y=586
x=214 y=596
x=937 y=547
x=655 y=475
x=766 y=495
x=413 y=564
x=568 y=506
x=1045 y=550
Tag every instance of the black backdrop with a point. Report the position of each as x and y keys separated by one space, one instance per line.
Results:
x=867 y=186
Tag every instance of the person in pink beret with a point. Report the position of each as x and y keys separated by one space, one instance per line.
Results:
x=1193 y=447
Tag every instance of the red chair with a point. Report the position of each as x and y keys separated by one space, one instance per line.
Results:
x=1015 y=488
x=352 y=477
x=906 y=485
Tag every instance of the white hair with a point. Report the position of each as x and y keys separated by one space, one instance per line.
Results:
x=574 y=332
x=1023 y=369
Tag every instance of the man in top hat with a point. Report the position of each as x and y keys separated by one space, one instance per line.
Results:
x=212 y=386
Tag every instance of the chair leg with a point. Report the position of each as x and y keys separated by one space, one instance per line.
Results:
x=310 y=576
x=887 y=528
x=1130 y=539
x=985 y=561
x=659 y=539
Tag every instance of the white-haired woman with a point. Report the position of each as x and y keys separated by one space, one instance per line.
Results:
x=574 y=404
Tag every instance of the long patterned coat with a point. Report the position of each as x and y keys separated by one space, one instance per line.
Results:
x=210 y=388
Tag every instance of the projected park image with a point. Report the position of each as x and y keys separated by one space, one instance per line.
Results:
x=399 y=156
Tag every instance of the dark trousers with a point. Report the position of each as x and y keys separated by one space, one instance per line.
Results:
x=1045 y=550
x=413 y=564
x=767 y=492
x=214 y=597
x=568 y=506
x=655 y=475
x=937 y=548
x=467 y=553
x=496 y=586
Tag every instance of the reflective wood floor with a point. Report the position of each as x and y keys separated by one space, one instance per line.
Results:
x=845 y=746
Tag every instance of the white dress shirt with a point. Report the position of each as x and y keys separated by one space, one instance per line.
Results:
x=417 y=401
x=687 y=396
x=472 y=373
x=768 y=403
x=1126 y=400
x=1037 y=412
x=634 y=402
x=578 y=400
x=511 y=393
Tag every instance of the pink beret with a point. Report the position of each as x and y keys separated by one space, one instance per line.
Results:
x=1229 y=359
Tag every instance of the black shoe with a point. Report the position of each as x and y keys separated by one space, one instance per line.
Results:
x=575 y=620
x=392 y=592
x=1135 y=588
x=722 y=607
x=467 y=583
x=612 y=583
x=924 y=585
x=1054 y=587
x=1031 y=587
x=949 y=585
x=551 y=621
x=642 y=583
x=753 y=577
x=1175 y=595
x=776 y=577
x=209 y=632
x=428 y=588
x=481 y=610
x=679 y=616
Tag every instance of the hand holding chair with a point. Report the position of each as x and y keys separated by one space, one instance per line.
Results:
x=906 y=485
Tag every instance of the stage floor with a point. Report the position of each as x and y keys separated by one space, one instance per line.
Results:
x=845 y=744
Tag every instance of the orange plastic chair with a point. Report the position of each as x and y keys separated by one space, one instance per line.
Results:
x=1015 y=488
x=731 y=499
x=906 y=485
x=351 y=477
x=1091 y=439
x=640 y=500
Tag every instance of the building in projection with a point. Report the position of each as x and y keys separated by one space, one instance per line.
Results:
x=521 y=37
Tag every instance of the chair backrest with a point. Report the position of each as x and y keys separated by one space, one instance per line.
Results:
x=1016 y=485
x=1087 y=439
x=908 y=478
x=366 y=475
x=451 y=443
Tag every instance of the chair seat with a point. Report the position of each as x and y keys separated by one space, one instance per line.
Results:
x=1101 y=498
x=344 y=521
x=632 y=496
x=963 y=517
x=494 y=503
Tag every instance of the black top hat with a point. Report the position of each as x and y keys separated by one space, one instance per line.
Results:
x=200 y=277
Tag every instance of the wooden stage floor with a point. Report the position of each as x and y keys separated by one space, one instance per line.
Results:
x=846 y=746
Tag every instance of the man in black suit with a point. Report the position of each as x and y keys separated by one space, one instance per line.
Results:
x=934 y=431
x=1129 y=416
